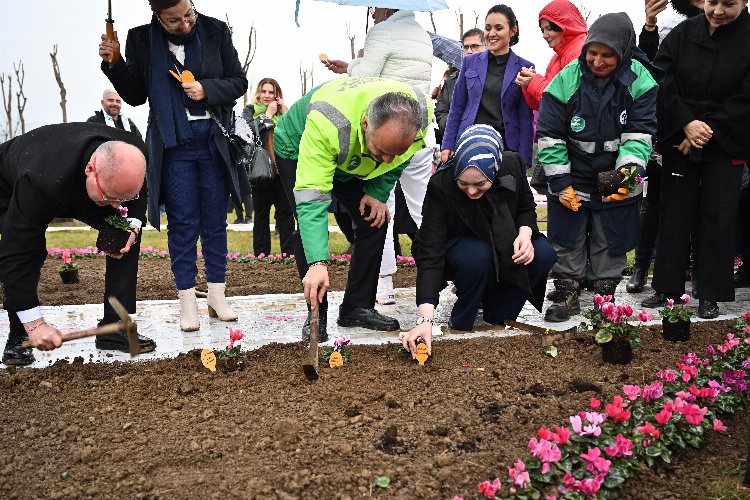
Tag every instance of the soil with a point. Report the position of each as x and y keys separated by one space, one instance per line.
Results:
x=172 y=429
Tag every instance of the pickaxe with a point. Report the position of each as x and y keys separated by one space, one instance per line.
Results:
x=311 y=369
x=127 y=326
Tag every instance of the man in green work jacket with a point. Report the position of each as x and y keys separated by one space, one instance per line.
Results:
x=351 y=137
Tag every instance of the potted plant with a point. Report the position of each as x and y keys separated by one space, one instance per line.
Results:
x=227 y=360
x=610 y=181
x=341 y=346
x=675 y=320
x=114 y=234
x=616 y=334
x=68 y=271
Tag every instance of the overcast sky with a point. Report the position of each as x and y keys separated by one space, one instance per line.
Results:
x=30 y=28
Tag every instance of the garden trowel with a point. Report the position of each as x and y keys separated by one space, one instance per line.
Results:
x=311 y=369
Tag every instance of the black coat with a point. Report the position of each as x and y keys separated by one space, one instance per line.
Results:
x=708 y=79
x=42 y=177
x=447 y=212
x=98 y=117
x=223 y=81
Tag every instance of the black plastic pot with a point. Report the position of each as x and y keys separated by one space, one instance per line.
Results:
x=675 y=332
x=111 y=239
x=617 y=352
x=69 y=277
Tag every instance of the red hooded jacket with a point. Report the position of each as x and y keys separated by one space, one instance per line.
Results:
x=568 y=17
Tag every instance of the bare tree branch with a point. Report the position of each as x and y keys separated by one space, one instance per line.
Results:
x=231 y=30
x=303 y=78
x=7 y=105
x=460 y=21
x=585 y=12
x=476 y=20
x=351 y=38
x=20 y=96
x=252 y=46
x=58 y=77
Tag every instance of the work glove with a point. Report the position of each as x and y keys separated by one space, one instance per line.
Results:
x=620 y=195
x=570 y=199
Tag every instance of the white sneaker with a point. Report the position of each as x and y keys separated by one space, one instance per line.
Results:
x=385 y=295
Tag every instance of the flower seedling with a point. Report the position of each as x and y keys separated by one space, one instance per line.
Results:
x=228 y=357
x=67 y=264
x=339 y=353
x=674 y=313
x=613 y=322
x=114 y=235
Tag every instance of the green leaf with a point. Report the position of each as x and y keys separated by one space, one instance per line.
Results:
x=551 y=352
x=603 y=336
x=382 y=481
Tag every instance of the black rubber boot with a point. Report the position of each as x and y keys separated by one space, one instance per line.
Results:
x=637 y=282
x=567 y=305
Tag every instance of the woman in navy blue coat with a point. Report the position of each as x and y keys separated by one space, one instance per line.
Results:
x=189 y=169
x=485 y=91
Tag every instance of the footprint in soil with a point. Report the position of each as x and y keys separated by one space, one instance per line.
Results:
x=491 y=412
x=390 y=443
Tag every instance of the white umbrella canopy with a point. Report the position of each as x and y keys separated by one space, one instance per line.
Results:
x=418 y=5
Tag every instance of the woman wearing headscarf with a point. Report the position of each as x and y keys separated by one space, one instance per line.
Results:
x=479 y=231
x=485 y=92
x=597 y=115
x=268 y=102
x=704 y=116
x=189 y=169
x=564 y=29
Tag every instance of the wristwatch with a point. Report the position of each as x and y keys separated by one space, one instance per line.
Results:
x=423 y=319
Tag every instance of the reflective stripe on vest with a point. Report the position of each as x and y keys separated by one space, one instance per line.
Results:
x=342 y=124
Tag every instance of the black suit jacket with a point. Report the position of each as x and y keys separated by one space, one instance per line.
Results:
x=42 y=177
x=220 y=75
x=98 y=117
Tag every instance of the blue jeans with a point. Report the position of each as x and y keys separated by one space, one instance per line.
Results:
x=470 y=265
x=195 y=194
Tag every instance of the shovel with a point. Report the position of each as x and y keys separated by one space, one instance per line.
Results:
x=311 y=369
x=126 y=326
x=548 y=335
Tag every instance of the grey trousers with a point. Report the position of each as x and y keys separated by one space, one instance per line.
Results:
x=589 y=259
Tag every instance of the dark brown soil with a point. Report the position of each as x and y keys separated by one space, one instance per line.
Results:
x=172 y=429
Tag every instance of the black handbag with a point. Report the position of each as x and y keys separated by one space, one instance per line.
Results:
x=240 y=141
x=262 y=168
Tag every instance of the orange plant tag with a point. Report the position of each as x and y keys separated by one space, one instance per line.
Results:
x=421 y=354
x=335 y=360
x=175 y=75
x=208 y=358
x=187 y=77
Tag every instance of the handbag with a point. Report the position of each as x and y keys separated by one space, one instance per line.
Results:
x=262 y=167
x=240 y=141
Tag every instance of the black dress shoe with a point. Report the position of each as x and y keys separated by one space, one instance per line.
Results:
x=659 y=300
x=366 y=318
x=119 y=342
x=637 y=281
x=708 y=309
x=322 y=329
x=15 y=355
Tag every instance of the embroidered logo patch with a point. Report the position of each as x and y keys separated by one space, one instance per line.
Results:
x=624 y=117
x=354 y=163
x=577 y=124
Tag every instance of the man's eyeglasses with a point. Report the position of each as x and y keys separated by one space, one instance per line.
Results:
x=188 y=18
x=101 y=191
x=473 y=46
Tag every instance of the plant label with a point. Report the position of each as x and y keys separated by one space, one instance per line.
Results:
x=421 y=353
x=208 y=358
x=336 y=360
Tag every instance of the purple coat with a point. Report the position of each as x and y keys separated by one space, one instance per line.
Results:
x=517 y=116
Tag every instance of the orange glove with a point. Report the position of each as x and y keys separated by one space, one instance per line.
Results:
x=570 y=199
x=620 y=195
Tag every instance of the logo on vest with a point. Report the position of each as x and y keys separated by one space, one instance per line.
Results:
x=354 y=163
x=577 y=124
x=624 y=117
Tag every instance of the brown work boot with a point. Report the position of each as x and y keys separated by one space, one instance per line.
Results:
x=567 y=304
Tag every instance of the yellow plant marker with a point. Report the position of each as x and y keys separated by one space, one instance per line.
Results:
x=179 y=79
x=421 y=354
x=208 y=358
x=187 y=77
x=323 y=58
x=335 y=360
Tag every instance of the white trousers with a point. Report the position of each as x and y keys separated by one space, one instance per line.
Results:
x=414 y=181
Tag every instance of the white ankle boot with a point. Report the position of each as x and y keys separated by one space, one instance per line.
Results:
x=217 y=303
x=385 y=294
x=188 y=310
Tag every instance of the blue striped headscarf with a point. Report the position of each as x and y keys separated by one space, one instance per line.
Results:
x=480 y=146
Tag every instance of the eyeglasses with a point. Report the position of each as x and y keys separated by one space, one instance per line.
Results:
x=188 y=18
x=101 y=191
x=473 y=46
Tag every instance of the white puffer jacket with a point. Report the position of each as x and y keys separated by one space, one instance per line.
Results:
x=399 y=49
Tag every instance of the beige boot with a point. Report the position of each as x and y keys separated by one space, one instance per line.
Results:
x=217 y=303
x=188 y=310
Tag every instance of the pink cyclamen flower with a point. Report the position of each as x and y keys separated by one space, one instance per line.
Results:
x=622 y=447
x=123 y=211
x=644 y=316
x=562 y=435
x=341 y=341
x=576 y=423
x=719 y=426
x=670 y=303
x=663 y=416
x=631 y=391
x=686 y=298
x=235 y=335
x=652 y=391
x=595 y=403
x=667 y=375
x=595 y=460
x=598 y=299
x=694 y=414
x=489 y=489
x=640 y=180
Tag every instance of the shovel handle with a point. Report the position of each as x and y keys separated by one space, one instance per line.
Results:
x=90 y=332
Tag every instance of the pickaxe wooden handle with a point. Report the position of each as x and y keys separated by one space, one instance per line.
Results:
x=90 y=332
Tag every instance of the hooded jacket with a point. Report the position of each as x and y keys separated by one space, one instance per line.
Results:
x=569 y=18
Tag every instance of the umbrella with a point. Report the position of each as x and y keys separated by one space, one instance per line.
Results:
x=418 y=5
x=447 y=50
